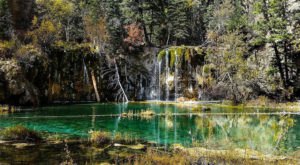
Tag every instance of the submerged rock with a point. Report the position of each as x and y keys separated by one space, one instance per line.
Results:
x=105 y=163
x=137 y=147
x=147 y=114
x=3 y=142
x=206 y=109
x=182 y=99
x=22 y=145
x=134 y=147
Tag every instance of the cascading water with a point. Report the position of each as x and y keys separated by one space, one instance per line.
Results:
x=165 y=76
x=167 y=70
x=153 y=85
x=159 y=74
x=190 y=84
x=176 y=76
x=85 y=73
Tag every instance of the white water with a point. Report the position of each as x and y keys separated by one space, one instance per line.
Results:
x=176 y=76
x=167 y=70
x=85 y=73
x=159 y=74
x=190 y=84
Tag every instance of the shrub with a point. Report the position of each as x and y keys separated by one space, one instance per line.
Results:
x=100 y=138
x=162 y=158
x=20 y=133
x=6 y=49
x=147 y=112
x=125 y=138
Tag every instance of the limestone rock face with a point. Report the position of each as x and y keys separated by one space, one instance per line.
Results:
x=141 y=73
x=18 y=90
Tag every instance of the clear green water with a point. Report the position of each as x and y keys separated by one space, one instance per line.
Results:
x=268 y=133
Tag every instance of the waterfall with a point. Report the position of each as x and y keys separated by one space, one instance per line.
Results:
x=85 y=73
x=190 y=84
x=155 y=81
x=167 y=70
x=176 y=76
x=159 y=73
x=153 y=85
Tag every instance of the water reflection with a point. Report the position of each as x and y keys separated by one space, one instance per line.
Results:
x=269 y=134
x=266 y=133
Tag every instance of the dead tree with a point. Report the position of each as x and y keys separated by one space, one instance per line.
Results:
x=112 y=71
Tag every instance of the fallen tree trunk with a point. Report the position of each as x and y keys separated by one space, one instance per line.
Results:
x=95 y=86
x=119 y=82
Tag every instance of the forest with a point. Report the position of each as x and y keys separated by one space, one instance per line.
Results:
x=164 y=82
x=72 y=50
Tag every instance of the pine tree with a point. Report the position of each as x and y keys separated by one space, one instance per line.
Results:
x=115 y=25
x=138 y=12
x=274 y=29
x=4 y=20
x=178 y=20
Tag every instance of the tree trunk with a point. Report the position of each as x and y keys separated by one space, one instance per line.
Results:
x=143 y=24
x=286 y=64
x=95 y=86
x=278 y=63
x=119 y=82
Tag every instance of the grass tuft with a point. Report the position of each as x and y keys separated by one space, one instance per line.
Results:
x=100 y=138
x=20 y=133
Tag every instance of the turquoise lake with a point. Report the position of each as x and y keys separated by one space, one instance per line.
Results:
x=217 y=128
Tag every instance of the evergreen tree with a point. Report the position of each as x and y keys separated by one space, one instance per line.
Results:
x=276 y=29
x=4 y=20
x=115 y=25
x=178 y=23
x=139 y=12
